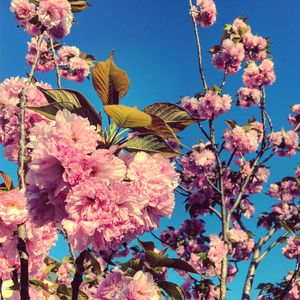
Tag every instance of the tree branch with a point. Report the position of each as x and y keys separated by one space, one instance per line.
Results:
x=254 y=264
x=21 y=246
x=78 y=275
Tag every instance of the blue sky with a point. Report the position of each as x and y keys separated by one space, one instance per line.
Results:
x=154 y=43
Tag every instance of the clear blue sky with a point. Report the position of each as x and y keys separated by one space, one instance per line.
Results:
x=154 y=43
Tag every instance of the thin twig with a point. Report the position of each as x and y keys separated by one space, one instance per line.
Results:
x=274 y=244
x=198 y=48
x=159 y=239
x=223 y=81
x=71 y=249
x=56 y=64
x=216 y=212
x=203 y=130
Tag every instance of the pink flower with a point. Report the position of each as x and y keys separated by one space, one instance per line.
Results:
x=65 y=53
x=237 y=235
x=157 y=180
x=24 y=10
x=259 y=76
x=112 y=287
x=285 y=143
x=190 y=104
x=248 y=97
x=217 y=250
x=13 y=207
x=72 y=67
x=230 y=57
x=205 y=13
x=142 y=286
x=212 y=105
x=45 y=62
x=255 y=47
x=56 y=16
x=106 y=213
x=292 y=249
x=243 y=139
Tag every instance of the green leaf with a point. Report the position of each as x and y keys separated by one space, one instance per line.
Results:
x=134 y=264
x=146 y=245
x=158 y=260
x=127 y=117
x=173 y=290
x=150 y=143
x=174 y=116
x=231 y=123
x=78 y=5
x=110 y=82
x=71 y=100
x=160 y=127
x=7 y=181
x=66 y=293
x=95 y=263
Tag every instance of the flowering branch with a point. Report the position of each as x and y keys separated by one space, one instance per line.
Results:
x=198 y=48
x=225 y=224
x=78 y=275
x=24 y=278
x=56 y=64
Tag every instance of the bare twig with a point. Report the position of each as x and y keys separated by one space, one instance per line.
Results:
x=198 y=48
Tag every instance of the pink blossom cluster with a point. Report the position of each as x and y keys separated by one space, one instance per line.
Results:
x=208 y=106
x=101 y=199
x=10 y=90
x=292 y=249
x=50 y=16
x=243 y=139
x=72 y=66
x=255 y=47
x=294 y=120
x=39 y=240
x=200 y=291
x=205 y=13
x=284 y=143
x=285 y=190
x=239 y=44
x=118 y=286
x=248 y=97
x=203 y=156
x=45 y=62
x=229 y=57
x=259 y=76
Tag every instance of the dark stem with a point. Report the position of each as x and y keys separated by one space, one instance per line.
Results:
x=78 y=275
x=24 y=277
x=291 y=281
